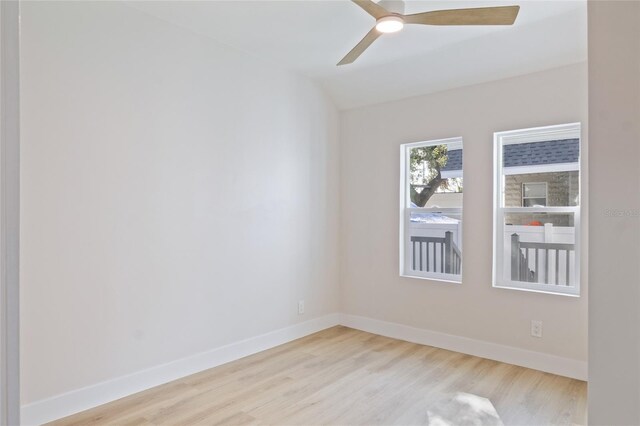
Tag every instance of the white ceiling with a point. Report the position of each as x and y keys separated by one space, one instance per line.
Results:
x=311 y=36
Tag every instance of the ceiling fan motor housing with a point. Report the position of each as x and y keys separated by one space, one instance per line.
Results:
x=393 y=6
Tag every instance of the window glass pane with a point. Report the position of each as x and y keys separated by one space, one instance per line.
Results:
x=545 y=153
x=539 y=248
x=534 y=190
x=435 y=176
x=435 y=244
x=562 y=189
x=437 y=218
x=432 y=228
x=534 y=202
x=536 y=241
x=538 y=219
x=527 y=166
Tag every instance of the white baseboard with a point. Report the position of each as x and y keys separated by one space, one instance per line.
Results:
x=536 y=360
x=78 y=400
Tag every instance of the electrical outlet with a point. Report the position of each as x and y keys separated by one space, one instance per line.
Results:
x=536 y=328
x=300 y=307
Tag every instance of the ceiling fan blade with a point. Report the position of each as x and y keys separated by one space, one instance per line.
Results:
x=372 y=8
x=360 y=47
x=503 y=15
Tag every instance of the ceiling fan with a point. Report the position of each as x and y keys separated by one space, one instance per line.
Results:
x=390 y=18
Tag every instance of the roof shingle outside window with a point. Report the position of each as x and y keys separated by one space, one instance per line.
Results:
x=547 y=152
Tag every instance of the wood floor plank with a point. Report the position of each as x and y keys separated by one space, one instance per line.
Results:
x=349 y=377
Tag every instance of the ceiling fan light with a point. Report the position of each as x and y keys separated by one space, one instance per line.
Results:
x=390 y=24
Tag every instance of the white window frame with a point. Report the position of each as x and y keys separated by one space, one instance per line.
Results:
x=546 y=192
x=538 y=134
x=406 y=210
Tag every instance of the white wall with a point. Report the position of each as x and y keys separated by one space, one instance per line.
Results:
x=176 y=195
x=370 y=282
x=614 y=133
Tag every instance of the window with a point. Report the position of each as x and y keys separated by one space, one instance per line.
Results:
x=431 y=210
x=537 y=209
x=534 y=194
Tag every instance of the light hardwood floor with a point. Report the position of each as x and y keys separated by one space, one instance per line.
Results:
x=348 y=377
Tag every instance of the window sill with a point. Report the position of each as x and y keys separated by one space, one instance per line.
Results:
x=537 y=290
x=434 y=278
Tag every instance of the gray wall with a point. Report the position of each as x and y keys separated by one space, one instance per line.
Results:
x=614 y=229
x=562 y=188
